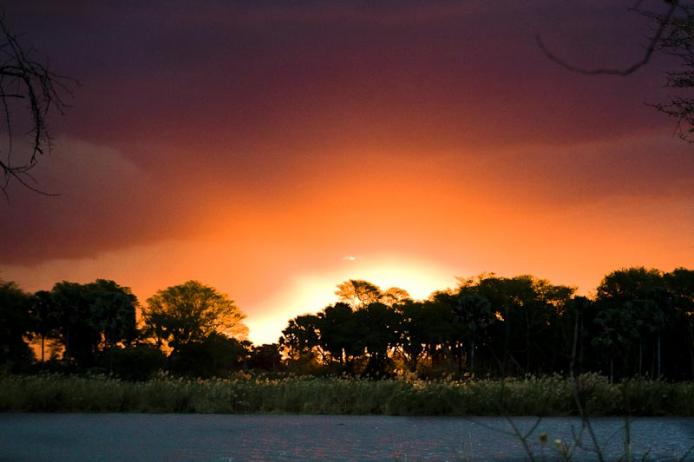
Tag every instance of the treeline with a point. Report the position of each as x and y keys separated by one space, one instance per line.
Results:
x=189 y=329
x=640 y=322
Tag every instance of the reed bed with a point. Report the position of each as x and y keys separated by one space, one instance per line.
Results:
x=544 y=396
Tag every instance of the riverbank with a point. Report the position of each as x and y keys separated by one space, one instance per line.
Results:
x=543 y=396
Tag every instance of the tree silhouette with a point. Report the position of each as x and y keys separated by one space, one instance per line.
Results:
x=641 y=322
x=215 y=355
x=266 y=357
x=44 y=318
x=635 y=308
x=341 y=334
x=138 y=362
x=78 y=333
x=678 y=41
x=29 y=90
x=15 y=323
x=91 y=317
x=673 y=36
x=680 y=283
x=358 y=293
x=113 y=309
x=191 y=312
x=379 y=326
x=301 y=335
x=411 y=332
x=394 y=295
x=300 y=342
x=474 y=313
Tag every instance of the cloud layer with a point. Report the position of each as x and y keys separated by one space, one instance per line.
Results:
x=253 y=142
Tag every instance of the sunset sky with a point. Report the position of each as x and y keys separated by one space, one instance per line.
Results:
x=274 y=149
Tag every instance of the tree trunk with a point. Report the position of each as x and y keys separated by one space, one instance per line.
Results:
x=640 y=356
x=658 y=349
x=527 y=344
x=472 y=356
x=611 y=369
x=413 y=363
x=507 y=341
x=580 y=344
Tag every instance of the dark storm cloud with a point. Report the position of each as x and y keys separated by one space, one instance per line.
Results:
x=220 y=104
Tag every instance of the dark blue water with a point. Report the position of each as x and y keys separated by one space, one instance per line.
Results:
x=236 y=438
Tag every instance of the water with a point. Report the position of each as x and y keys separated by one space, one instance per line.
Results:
x=237 y=438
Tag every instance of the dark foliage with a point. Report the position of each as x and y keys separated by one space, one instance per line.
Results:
x=137 y=363
x=15 y=324
x=214 y=356
x=640 y=323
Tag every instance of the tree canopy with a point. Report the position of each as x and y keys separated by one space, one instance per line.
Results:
x=90 y=317
x=639 y=322
x=190 y=312
x=14 y=325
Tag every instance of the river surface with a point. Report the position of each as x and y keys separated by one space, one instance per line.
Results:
x=237 y=438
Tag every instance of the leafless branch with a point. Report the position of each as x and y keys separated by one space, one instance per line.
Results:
x=679 y=43
x=630 y=69
x=24 y=79
x=575 y=387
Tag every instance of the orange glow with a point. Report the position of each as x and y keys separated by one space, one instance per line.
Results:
x=273 y=153
x=416 y=228
x=310 y=292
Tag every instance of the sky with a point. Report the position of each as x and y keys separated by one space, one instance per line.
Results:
x=274 y=149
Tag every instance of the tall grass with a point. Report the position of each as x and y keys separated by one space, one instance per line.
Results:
x=544 y=396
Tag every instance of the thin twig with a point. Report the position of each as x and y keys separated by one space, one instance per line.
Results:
x=23 y=78
x=577 y=399
x=652 y=45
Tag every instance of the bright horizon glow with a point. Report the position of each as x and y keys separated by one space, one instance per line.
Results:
x=311 y=292
x=407 y=162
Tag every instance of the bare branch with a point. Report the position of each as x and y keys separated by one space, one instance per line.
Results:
x=24 y=79
x=575 y=391
x=650 y=49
